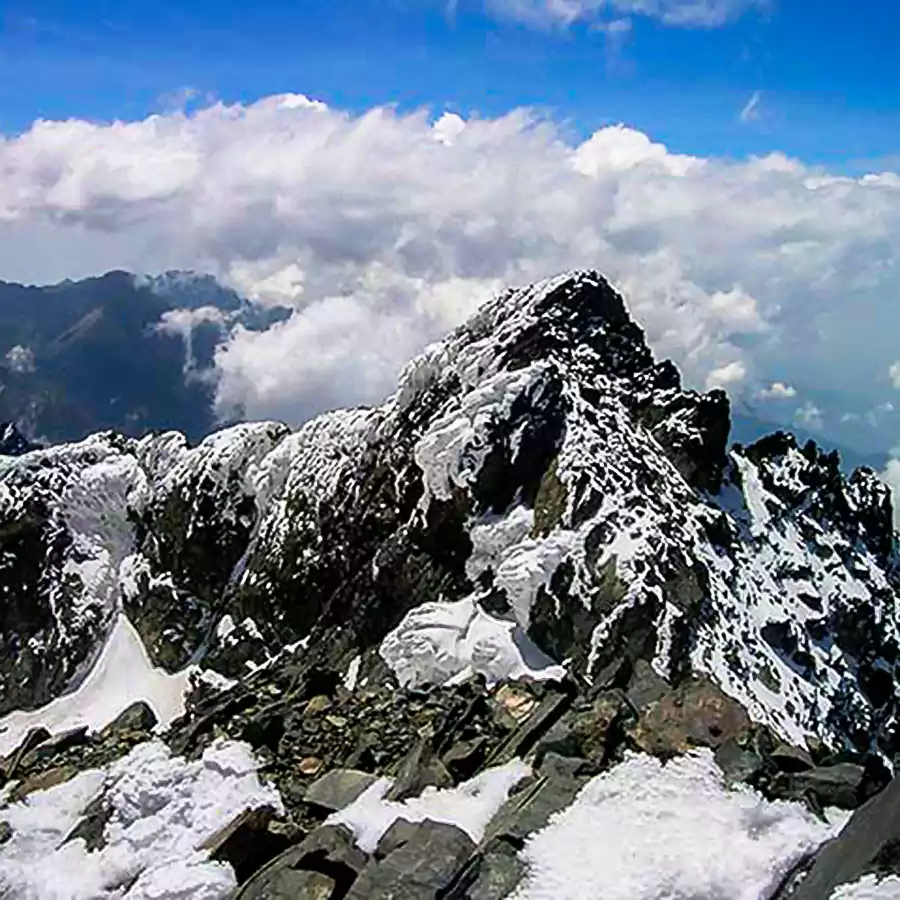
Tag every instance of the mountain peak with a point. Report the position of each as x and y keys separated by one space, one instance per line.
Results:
x=540 y=546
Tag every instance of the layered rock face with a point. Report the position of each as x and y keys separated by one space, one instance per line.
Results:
x=541 y=501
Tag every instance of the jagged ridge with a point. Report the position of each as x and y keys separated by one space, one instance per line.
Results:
x=539 y=470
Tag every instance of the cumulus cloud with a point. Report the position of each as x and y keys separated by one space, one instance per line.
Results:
x=809 y=416
x=726 y=376
x=677 y=13
x=777 y=390
x=20 y=359
x=182 y=322
x=894 y=374
x=383 y=230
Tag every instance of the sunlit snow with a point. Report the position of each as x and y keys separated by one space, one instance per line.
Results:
x=122 y=675
x=440 y=643
x=649 y=831
x=164 y=808
x=470 y=805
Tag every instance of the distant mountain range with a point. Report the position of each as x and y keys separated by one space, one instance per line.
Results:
x=749 y=425
x=83 y=356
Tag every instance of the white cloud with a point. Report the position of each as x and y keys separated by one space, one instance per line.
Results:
x=894 y=374
x=750 y=112
x=726 y=376
x=182 y=322
x=809 y=416
x=20 y=359
x=615 y=29
x=777 y=390
x=384 y=230
x=676 y=13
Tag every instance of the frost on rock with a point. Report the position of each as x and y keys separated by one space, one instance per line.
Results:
x=870 y=887
x=163 y=809
x=652 y=831
x=442 y=643
x=452 y=451
x=761 y=567
x=470 y=805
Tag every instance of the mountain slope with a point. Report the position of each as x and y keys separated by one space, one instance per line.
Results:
x=540 y=501
x=83 y=356
x=538 y=465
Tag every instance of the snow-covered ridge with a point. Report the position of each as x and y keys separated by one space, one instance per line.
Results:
x=538 y=493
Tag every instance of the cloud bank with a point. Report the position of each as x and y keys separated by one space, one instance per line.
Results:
x=384 y=230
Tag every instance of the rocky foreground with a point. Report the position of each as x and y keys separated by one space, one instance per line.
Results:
x=512 y=634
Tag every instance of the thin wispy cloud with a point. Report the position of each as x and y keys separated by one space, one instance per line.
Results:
x=751 y=110
x=675 y=13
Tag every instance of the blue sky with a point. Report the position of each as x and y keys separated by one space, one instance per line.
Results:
x=828 y=79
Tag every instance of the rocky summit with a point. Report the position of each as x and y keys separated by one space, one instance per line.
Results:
x=490 y=639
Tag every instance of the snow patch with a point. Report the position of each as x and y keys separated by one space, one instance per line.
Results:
x=869 y=888
x=441 y=642
x=351 y=676
x=122 y=675
x=492 y=537
x=452 y=451
x=163 y=809
x=648 y=831
x=470 y=805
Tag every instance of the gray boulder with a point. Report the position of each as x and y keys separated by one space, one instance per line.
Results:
x=338 y=788
x=870 y=843
x=322 y=867
x=422 y=868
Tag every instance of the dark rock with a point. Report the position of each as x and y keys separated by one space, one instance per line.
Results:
x=464 y=759
x=549 y=503
x=400 y=832
x=322 y=867
x=6 y=833
x=867 y=844
x=526 y=735
x=600 y=729
x=338 y=788
x=13 y=442
x=739 y=761
x=265 y=728
x=565 y=767
x=791 y=759
x=420 y=769
x=530 y=809
x=493 y=874
x=695 y=714
x=246 y=843
x=645 y=686
x=41 y=781
x=560 y=738
x=34 y=738
x=422 y=868
x=51 y=747
x=840 y=785
x=137 y=717
x=92 y=827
